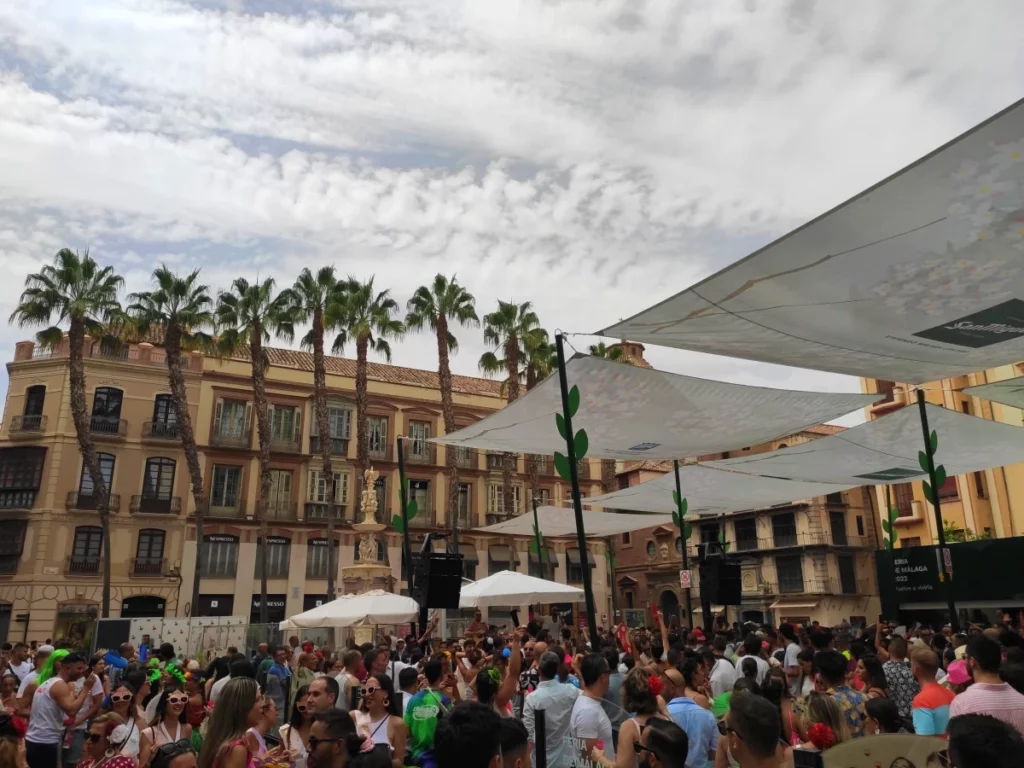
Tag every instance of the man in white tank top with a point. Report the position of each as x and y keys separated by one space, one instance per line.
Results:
x=54 y=701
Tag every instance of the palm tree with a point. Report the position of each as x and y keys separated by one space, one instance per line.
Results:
x=365 y=317
x=76 y=290
x=181 y=307
x=434 y=306
x=247 y=317
x=613 y=352
x=540 y=360
x=511 y=330
x=316 y=296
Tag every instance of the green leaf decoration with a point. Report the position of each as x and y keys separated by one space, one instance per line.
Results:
x=574 y=400
x=934 y=441
x=687 y=531
x=562 y=467
x=894 y=535
x=894 y=514
x=940 y=476
x=581 y=444
x=675 y=497
x=676 y=520
x=683 y=506
x=560 y=423
x=922 y=459
x=533 y=547
x=398 y=523
x=724 y=544
x=886 y=526
x=411 y=509
x=928 y=492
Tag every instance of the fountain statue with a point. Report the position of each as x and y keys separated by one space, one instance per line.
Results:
x=369 y=571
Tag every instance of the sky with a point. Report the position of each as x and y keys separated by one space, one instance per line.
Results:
x=590 y=156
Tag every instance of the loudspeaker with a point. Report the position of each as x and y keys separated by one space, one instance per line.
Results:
x=720 y=581
x=437 y=579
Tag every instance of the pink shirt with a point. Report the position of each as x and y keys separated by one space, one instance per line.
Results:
x=998 y=700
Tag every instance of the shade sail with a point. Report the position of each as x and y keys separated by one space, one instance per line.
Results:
x=513 y=588
x=366 y=609
x=1007 y=392
x=919 y=278
x=639 y=413
x=886 y=450
x=560 y=521
x=711 y=490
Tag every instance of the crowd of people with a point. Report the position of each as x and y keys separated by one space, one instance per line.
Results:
x=537 y=695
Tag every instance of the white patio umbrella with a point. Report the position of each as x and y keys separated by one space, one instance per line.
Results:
x=513 y=588
x=366 y=609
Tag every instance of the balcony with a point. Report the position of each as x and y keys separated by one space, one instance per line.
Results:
x=9 y=564
x=494 y=461
x=339 y=446
x=317 y=510
x=545 y=466
x=108 y=428
x=790 y=539
x=19 y=498
x=784 y=537
x=232 y=509
x=282 y=510
x=791 y=585
x=494 y=518
x=465 y=519
x=156 y=505
x=83 y=502
x=27 y=426
x=464 y=458
x=424 y=516
x=159 y=430
x=378 y=450
x=148 y=566
x=231 y=437
x=82 y=565
x=287 y=443
x=418 y=452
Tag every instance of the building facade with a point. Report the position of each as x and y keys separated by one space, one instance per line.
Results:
x=808 y=560
x=51 y=544
x=986 y=504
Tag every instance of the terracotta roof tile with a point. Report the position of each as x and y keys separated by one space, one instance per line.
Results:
x=825 y=429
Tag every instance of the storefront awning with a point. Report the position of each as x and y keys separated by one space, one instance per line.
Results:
x=639 y=413
x=916 y=279
x=549 y=553
x=715 y=610
x=502 y=553
x=469 y=553
x=785 y=605
x=573 y=556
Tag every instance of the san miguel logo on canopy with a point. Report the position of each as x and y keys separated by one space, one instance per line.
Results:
x=989 y=326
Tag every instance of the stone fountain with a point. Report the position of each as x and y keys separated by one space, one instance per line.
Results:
x=368 y=572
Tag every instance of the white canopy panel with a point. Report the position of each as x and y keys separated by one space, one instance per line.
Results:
x=514 y=588
x=1007 y=392
x=917 y=279
x=886 y=450
x=711 y=490
x=639 y=413
x=560 y=521
x=366 y=609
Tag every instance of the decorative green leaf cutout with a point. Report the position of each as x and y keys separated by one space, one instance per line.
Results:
x=676 y=520
x=922 y=459
x=928 y=492
x=940 y=476
x=723 y=543
x=411 y=509
x=398 y=523
x=560 y=423
x=562 y=467
x=886 y=526
x=581 y=444
x=683 y=506
x=574 y=400
x=934 y=440
x=675 y=498
x=533 y=547
x=687 y=531
x=894 y=535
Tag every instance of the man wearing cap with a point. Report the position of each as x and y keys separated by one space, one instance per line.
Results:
x=42 y=654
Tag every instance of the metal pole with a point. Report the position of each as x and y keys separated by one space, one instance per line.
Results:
x=705 y=602
x=611 y=580
x=540 y=742
x=574 y=476
x=947 y=585
x=403 y=498
x=682 y=533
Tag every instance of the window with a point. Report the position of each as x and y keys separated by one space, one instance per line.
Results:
x=340 y=420
x=317 y=488
x=381 y=487
x=626 y=538
x=377 y=433
x=543 y=496
x=652 y=549
x=419 y=433
x=279 y=503
x=847 y=575
x=149 y=553
x=746 y=534
x=419 y=491
x=883 y=387
x=465 y=510
x=910 y=541
x=12 y=542
x=87 y=545
x=220 y=556
x=496 y=501
x=227 y=481
x=501 y=558
x=231 y=418
x=834 y=498
x=790 y=573
x=86 y=490
x=979 y=485
x=574 y=567
x=708 y=533
x=629 y=601
x=106 y=404
x=277 y=557
x=837 y=524
x=860 y=525
x=903 y=499
x=158 y=482
x=163 y=410
x=33 y=412
x=284 y=422
x=949 y=489
x=21 y=471
x=318 y=562
x=784 y=530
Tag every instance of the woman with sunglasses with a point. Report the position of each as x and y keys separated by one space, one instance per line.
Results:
x=122 y=704
x=169 y=724
x=295 y=733
x=380 y=718
x=103 y=744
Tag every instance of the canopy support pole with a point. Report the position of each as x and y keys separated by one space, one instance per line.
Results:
x=947 y=584
x=403 y=494
x=682 y=533
x=574 y=476
x=705 y=601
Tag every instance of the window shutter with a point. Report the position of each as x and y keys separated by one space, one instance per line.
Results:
x=313 y=482
x=247 y=419
x=343 y=488
x=346 y=421
x=217 y=415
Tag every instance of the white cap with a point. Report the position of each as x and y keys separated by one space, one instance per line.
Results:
x=44 y=649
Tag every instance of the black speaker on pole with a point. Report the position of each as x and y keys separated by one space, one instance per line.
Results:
x=720 y=577
x=437 y=579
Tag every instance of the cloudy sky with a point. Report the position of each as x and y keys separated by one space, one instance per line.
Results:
x=592 y=156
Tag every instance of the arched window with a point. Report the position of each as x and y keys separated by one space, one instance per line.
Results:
x=158 y=482
x=86 y=489
x=86 y=550
x=34 y=399
x=163 y=410
x=106 y=403
x=149 y=553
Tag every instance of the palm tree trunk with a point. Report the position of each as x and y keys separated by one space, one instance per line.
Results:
x=263 y=431
x=323 y=426
x=362 y=418
x=80 y=417
x=509 y=460
x=608 y=478
x=444 y=375
x=175 y=373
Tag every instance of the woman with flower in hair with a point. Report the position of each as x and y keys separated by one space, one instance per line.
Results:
x=103 y=745
x=12 y=741
x=640 y=692
x=825 y=724
x=195 y=711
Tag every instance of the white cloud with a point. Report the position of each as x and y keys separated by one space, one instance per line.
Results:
x=593 y=157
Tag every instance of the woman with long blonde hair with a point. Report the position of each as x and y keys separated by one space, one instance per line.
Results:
x=824 y=720
x=238 y=709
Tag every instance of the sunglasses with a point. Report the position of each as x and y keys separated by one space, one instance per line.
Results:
x=638 y=748
x=314 y=742
x=116 y=698
x=177 y=699
x=370 y=690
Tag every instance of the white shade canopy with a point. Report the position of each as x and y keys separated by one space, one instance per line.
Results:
x=560 y=521
x=711 y=490
x=366 y=609
x=513 y=588
x=1007 y=392
x=918 y=278
x=886 y=450
x=638 y=413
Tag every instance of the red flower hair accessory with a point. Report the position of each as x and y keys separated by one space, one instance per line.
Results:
x=655 y=684
x=821 y=736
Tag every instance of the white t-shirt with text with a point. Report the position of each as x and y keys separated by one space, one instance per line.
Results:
x=590 y=721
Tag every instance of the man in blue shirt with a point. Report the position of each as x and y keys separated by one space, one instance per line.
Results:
x=699 y=724
x=556 y=699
